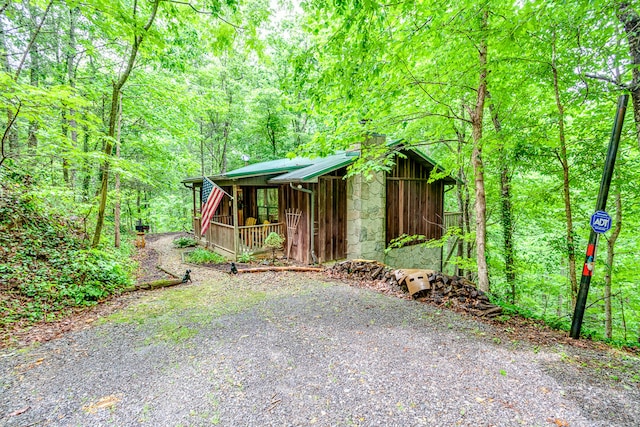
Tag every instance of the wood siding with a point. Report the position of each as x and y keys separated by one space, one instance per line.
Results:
x=331 y=241
x=330 y=229
x=288 y=198
x=414 y=206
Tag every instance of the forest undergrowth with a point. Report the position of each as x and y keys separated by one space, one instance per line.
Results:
x=46 y=265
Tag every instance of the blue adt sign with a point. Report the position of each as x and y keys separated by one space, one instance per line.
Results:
x=600 y=222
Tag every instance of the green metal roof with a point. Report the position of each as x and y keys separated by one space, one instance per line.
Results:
x=302 y=169
x=271 y=167
x=262 y=169
x=321 y=166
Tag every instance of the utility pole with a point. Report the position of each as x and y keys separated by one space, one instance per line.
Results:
x=600 y=221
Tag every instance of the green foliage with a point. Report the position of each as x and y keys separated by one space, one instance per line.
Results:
x=45 y=264
x=184 y=242
x=274 y=241
x=246 y=257
x=404 y=240
x=204 y=256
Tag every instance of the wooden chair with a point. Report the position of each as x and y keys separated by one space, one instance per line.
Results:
x=262 y=234
x=250 y=234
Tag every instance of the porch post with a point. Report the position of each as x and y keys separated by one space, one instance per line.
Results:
x=236 y=234
x=196 y=230
x=194 y=200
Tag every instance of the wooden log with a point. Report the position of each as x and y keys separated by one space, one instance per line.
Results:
x=492 y=312
x=376 y=272
x=162 y=283
x=159 y=267
x=292 y=268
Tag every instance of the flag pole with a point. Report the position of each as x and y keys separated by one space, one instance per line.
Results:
x=216 y=185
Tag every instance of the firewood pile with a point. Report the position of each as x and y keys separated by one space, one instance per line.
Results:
x=422 y=285
x=371 y=274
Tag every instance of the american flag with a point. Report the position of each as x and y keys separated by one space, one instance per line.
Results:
x=211 y=197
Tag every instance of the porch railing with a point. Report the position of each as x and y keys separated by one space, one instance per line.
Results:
x=452 y=219
x=252 y=237
x=223 y=219
x=221 y=236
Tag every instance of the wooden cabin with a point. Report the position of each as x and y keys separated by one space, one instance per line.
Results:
x=339 y=217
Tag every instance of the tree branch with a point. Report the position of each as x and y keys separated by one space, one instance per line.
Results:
x=3 y=156
x=32 y=41
x=423 y=89
x=204 y=12
x=416 y=116
x=601 y=298
x=608 y=80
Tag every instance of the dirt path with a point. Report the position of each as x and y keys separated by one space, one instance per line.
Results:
x=275 y=349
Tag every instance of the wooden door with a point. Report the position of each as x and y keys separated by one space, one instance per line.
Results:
x=331 y=240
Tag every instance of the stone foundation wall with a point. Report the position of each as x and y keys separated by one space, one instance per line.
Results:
x=416 y=256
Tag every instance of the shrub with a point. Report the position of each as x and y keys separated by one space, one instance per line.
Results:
x=204 y=256
x=185 y=242
x=246 y=257
x=274 y=241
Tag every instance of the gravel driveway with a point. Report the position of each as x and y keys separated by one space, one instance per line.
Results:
x=286 y=349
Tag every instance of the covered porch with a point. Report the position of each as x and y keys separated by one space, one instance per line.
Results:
x=252 y=210
x=240 y=225
x=262 y=196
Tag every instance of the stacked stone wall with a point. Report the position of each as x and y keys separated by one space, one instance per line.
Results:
x=366 y=200
x=416 y=256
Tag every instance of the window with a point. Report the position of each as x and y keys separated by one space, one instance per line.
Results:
x=267 y=205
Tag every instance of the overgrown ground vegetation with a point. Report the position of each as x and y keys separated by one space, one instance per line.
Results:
x=204 y=256
x=46 y=265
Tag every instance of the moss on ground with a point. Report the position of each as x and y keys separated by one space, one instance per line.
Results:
x=177 y=314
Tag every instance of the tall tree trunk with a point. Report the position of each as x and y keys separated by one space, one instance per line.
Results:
x=226 y=129
x=10 y=133
x=34 y=80
x=32 y=40
x=478 y=167
x=611 y=241
x=65 y=133
x=116 y=214
x=69 y=169
x=506 y=212
x=86 y=170
x=117 y=87
x=562 y=157
x=202 y=138
x=225 y=143
x=631 y=21
x=462 y=192
x=460 y=242
x=624 y=319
